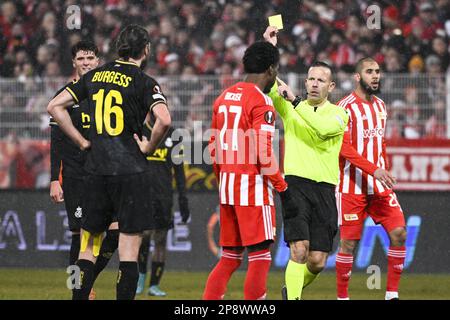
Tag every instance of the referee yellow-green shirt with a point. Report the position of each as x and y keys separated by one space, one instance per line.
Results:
x=313 y=138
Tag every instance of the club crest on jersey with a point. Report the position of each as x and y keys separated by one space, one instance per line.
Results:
x=381 y=115
x=168 y=142
x=78 y=212
x=269 y=117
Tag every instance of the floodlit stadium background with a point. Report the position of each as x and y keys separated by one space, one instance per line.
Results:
x=197 y=47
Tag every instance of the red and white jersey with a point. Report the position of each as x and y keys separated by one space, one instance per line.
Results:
x=365 y=135
x=243 y=126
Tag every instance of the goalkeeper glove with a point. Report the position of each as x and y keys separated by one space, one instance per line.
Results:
x=290 y=208
x=184 y=208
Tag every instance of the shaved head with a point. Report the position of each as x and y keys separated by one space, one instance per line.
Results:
x=360 y=64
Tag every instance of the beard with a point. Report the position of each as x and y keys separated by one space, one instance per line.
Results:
x=368 y=89
x=269 y=86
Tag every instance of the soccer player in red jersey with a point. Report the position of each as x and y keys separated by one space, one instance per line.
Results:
x=243 y=125
x=365 y=187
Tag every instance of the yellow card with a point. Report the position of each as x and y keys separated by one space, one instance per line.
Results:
x=276 y=21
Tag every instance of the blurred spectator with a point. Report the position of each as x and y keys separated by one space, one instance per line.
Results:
x=209 y=37
x=436 y=125
x=416 y=65
x=440 y=47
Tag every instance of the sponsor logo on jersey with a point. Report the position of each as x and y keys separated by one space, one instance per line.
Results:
x=350 y=217
x=370 y=133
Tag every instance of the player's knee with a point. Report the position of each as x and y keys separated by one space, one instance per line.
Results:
x=348 y=246
x=398 y=236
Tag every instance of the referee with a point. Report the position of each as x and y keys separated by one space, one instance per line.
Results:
x=314 y=130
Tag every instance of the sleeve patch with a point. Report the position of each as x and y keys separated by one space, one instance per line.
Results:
x=269 y=117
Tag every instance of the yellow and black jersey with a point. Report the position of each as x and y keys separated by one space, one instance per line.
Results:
x=119 y=96
x=166 y=162
x=65 y=156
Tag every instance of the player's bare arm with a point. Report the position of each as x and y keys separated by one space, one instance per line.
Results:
x=350 y=153
x=57 y=108
x=56 y=192
x=162 y=124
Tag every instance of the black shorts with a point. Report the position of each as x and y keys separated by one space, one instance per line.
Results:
x=316 y=219
x=124 y=196
x=162 y=211
x=73 y=194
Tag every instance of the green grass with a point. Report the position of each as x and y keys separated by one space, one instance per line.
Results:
x=50 y=284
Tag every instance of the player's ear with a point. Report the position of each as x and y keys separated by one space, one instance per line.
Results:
x=357 y=77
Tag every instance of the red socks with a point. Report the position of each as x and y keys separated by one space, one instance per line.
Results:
x=216 y=285
x=256 y=279
x=396 y=258
x=344 y=263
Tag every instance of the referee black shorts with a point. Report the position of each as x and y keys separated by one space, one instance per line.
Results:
x=124 y=196
x=316 y=219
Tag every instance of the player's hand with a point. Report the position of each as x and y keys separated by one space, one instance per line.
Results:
x=184 y=208
x=285 y=91
x=144 y=144
x=85 y=144
x=270 y=35
x=290 y=208
x=56 y=192
x=387 y=179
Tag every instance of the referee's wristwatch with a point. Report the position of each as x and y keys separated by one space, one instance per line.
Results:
x=296 y=101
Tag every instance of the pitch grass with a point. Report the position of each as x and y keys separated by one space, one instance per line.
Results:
x=18 y=284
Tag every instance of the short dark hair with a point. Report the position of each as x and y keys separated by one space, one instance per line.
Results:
x=260 y=56
x=131 y=41
x=323 y=65
x=84 y=45
x=359 y=64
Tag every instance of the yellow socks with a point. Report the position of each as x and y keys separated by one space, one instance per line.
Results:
x=294 y=277
x=308 y=276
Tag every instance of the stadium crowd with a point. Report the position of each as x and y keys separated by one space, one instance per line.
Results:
x=208 y=37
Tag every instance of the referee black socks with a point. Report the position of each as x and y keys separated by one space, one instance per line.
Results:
x=127 y=280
